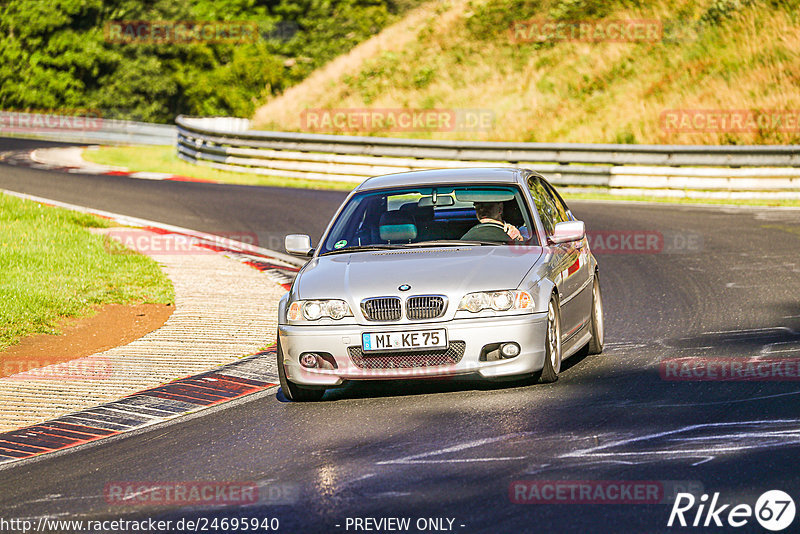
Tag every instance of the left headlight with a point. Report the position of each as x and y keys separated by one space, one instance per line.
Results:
x=311 y=310
x=496 y=300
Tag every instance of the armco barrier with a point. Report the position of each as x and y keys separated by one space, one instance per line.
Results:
x=95 y=129
x=757 y=171
x=674 y=170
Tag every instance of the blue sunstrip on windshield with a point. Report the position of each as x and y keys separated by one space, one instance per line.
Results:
x=454 y=213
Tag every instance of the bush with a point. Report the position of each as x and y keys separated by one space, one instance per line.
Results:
x=54 y=55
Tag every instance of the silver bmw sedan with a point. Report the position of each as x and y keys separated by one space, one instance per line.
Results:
x=475 y=272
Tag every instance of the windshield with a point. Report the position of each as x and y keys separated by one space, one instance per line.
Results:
x=441 y=216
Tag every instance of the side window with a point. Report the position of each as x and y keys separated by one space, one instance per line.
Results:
x=563 y=211
x=548 y=212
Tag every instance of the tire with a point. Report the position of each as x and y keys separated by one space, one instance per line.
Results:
x=292 y=391
x=597 y=323
x=552 y=344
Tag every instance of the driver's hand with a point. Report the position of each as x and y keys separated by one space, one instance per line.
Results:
x=513 y=232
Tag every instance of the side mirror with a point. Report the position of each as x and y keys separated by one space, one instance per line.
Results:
x=565 y=232
x=299 y=244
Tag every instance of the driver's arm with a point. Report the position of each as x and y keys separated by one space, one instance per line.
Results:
x=512 y=231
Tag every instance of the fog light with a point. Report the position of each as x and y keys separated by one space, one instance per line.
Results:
x=308 y=359
x=509 y=350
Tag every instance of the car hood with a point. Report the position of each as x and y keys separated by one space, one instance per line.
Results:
x=447 y=271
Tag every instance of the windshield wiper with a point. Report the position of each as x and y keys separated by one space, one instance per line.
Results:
x=361 y=248
x=432 y=243
x=451 y=243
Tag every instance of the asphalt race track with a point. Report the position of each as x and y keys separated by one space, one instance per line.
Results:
x=724 y=283
x=228 y=210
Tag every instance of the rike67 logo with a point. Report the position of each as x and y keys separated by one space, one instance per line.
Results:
x=774 y=510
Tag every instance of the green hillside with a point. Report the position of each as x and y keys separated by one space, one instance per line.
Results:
x=63 y=55
x=719 y=72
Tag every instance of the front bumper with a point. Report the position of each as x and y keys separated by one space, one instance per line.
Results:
x=529 y=331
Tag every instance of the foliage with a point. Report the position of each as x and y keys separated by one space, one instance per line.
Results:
x=54 y=54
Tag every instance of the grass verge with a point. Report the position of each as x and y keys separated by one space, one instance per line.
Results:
x=53 y=267
x=569 y=195
x=163 y=159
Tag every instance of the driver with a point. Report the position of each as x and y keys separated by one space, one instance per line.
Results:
x=491 y=226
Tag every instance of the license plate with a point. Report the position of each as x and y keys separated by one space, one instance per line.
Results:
x=413 y=339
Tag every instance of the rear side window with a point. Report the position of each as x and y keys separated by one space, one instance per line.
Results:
x=563 y=210
x=548 y=211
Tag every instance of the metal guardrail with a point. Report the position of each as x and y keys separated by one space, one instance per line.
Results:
x=85 y=129
x=758 y=170
x=212 y=130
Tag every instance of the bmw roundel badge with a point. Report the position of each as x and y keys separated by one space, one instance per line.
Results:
x=404 y=287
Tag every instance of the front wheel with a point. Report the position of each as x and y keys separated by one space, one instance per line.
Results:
x=597 y=328
x=552 y=344
x=292 y=391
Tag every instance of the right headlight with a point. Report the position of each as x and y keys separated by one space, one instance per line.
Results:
x=496 y=300
x=311 y=310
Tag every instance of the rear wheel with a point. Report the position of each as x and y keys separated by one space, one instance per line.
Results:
x=292 y=391
x=552 y=344
x=597 y=328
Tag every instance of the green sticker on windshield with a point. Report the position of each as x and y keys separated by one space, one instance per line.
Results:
x=340 y=244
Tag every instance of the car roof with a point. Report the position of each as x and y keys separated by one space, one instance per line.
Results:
x=468 y=175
